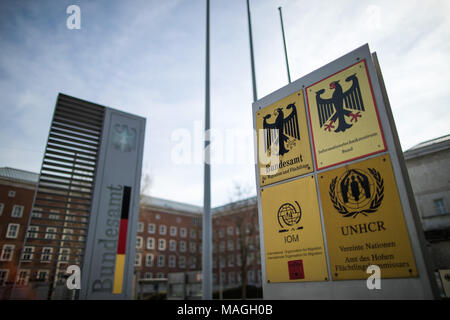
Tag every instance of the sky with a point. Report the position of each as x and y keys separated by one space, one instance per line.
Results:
x=148 y=58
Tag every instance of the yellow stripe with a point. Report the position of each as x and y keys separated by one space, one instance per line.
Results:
x=118 y=274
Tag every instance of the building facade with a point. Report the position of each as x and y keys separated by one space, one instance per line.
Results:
x=428 y=166
x=17 y=189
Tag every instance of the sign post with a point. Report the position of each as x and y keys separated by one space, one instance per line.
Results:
x=332 y=198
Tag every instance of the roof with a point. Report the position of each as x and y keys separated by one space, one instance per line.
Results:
x=427 y=147
x=19 y=175
x=236 y=204
x=171 y=205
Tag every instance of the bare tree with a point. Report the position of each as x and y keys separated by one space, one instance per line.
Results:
x=244 y=217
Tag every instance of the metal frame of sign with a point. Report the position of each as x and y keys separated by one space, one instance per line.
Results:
x=421 y=287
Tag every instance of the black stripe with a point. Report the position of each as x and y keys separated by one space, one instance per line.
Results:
x=125 y=202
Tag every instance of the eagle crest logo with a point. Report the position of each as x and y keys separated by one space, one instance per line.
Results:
x=335 y=110
x=124 y=138
x=283 y=133
x=357 y=192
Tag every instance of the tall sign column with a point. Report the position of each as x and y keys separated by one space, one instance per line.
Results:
x=332 y=198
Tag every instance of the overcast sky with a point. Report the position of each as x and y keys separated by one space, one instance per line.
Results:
x=148 y=58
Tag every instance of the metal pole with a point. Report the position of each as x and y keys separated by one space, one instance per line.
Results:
x=207 y=252
x=252 y=59
x=284 y=42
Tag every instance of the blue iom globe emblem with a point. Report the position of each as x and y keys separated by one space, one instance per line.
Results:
x=124 y=138
x=289 y=216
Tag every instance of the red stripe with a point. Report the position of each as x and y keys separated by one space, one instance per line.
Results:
x=122 y=236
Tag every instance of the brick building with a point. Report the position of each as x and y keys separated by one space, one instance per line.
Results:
x=17 y=189
x=168 y=238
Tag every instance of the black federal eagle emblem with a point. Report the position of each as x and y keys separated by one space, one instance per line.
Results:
x=283 y=132
x=333 y=111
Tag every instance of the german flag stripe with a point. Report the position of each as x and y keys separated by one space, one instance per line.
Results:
x=122 y=241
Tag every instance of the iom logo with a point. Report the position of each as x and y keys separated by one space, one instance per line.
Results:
x=124 y=139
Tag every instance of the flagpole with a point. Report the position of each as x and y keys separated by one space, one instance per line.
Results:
x=206 y=226
x=284 y=42
x=252 y=59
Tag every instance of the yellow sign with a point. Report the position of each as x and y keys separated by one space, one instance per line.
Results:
x=344 y=118
x=364 y=221
x=445 y=278
x=293 y=241
x=283 y=142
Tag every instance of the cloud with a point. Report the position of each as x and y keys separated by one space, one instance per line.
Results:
x=148 y=58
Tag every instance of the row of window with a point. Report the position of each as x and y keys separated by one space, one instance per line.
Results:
x=17 y=210
x=28 y=253
x=172 y=245
x=230 y=244
x=162 y=230
x=253 y=277
x=24 y=276
x=160 y=262
x=232 y=260
x=232 y=231
x=12 y=232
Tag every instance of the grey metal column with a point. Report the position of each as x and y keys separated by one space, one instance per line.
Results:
x=252 y=59
x=207 y=253
x=284 y=42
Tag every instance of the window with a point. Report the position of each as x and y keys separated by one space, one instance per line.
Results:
x=251 y=276
x=183 y=246
x=138 y=242
x=172 y=261
x=192 y=247
x=149 y=260
x=22 y=279
x=173 y=231
x=32 y=232
x=67 y=236
x=161 y=261
x=222 y=246
x=148 y=275
x=231 y=278
x=182 y=262
x=17 y=211
x=64 y=254
x=162 y=229
x=36 y=213
x=150 y=243
x=231 y=261
x=151 y=228
x=183 y=232
x=158 y=217
x=440 y=206
x=193 y=233
x=42 y=275
x=7 y=252
x=172 y=245
x=230 y=245
x=137 y=260
x=221 y=233
x=162 y=244
x=3 y=276
x=11 y=193
x=13 y=231
x=50 y=235
x=193 y=262
x=230 y=231
x=27 y=254
x=46 y=255
x=1 y=208
x=140 y=227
